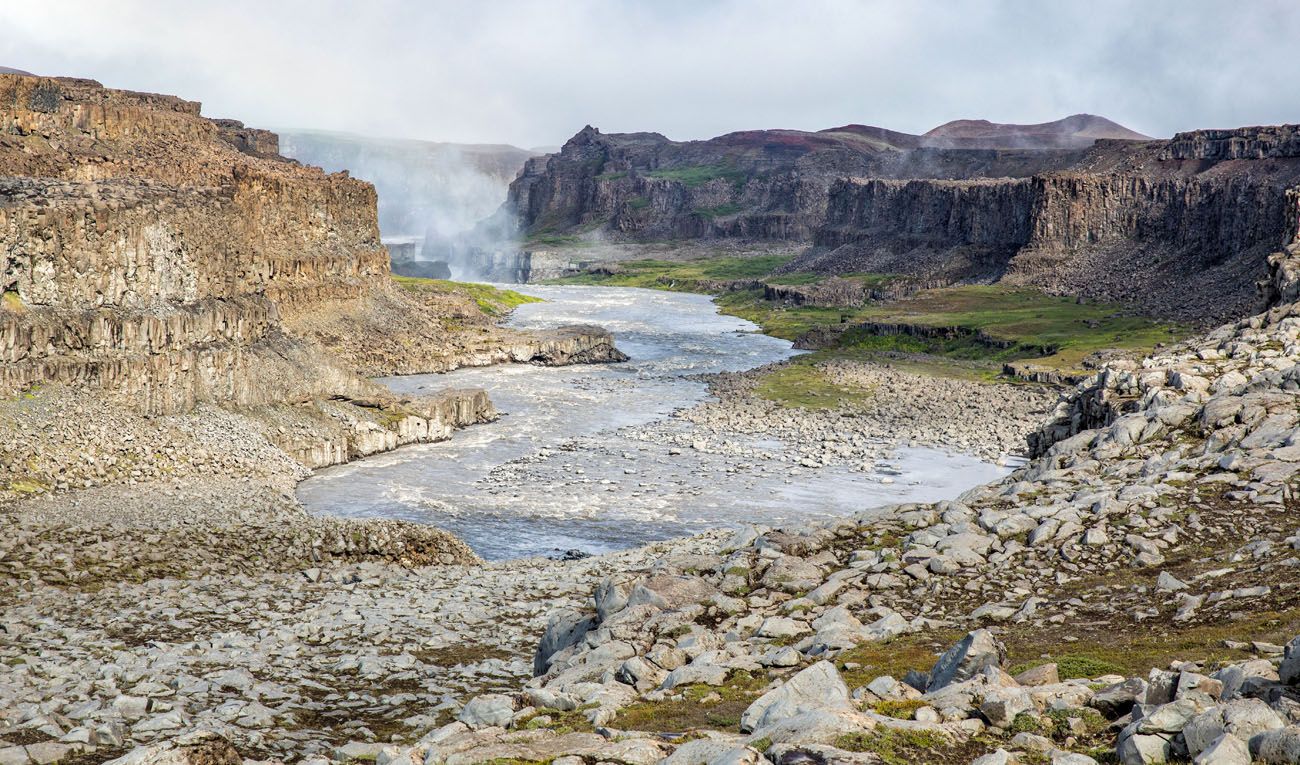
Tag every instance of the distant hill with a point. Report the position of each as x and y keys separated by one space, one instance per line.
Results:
x=1075 y=131
x=11 y=70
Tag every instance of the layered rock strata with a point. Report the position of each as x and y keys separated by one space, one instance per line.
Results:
x=162 y=261
x=1182 y=227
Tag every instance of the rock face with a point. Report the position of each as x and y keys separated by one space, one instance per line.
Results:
x=165 y=261
x=1080 y=206
x=1162 y=238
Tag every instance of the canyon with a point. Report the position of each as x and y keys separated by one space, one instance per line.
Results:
x=1099 y=212
x=157 y=261
x=195 y=327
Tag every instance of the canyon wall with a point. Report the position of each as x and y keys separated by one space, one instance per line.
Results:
x=156 y=265
x=1183 y=227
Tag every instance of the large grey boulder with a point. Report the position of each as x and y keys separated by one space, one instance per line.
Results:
x=488 y=710
x=1117 y=700
x=1243 y=718
x=1277 y=746
x=818 y=687
x=1225 y=750
x=564 y=629
x=966 y=659
x=1289 y=672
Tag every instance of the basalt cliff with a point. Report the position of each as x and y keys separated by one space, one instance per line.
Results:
x=1081 y=206
x=159 y=262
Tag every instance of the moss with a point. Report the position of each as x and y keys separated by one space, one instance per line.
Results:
x=28 y=486
x=460 y=653
x=1074 y=666
x=690 y=711
x=561 y=721
x=12 y=301
x=698 y=175
x=896 y=746
x=903 y=709
x=638 y=203
x=894 y=657
x=802 y=384
x=762 y=744
x=492 y=301
x=720 y=211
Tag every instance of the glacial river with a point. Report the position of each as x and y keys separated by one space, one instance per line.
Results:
x=568 y=465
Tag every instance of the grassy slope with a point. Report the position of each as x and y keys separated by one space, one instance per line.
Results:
x=1030 y=319
x=493 y=301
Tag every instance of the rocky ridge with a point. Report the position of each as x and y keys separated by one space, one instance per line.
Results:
x=1108 y=217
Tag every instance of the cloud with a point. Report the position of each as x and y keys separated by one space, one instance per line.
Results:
x=532 y=72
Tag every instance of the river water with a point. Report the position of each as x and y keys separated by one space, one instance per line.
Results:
x=568 y=465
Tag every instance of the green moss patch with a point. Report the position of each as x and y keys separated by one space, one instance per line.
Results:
x=493 y=301
x=692 y=711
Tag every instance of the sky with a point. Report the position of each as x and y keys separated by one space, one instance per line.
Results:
x=533 y=72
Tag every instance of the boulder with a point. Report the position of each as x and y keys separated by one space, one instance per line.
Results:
x=1277 y=746
x=488 y=710
x=967 y=658
x=818 y=687
x=1225 y=750
x=1289 y=672
x=1243 y=718
x=564 y=628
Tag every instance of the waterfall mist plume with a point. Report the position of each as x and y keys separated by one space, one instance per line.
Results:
x=439 y=203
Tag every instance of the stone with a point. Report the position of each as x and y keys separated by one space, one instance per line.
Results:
x=1169 y=583
x=1115 y=701
x=1279 y=747
x=1001 y=705
x=967 y=658
x=1243 y=718
x=1225 y=750
x=816 y=688
x=1043 y=674
x=564 y=628
x=1289 y=671
x=487 y=710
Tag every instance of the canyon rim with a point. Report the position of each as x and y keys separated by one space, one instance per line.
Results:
x=945 y=440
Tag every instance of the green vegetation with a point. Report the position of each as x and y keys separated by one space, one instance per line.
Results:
x=27 y=486
x=801 y=384
x=698 y=175
x=1072 y=666
x=680 y=275
x=493 y=301
x=560 y=721
x=721 y=211
x=700 y=706
x=638 y=203
x=556 y=240
x=896 y=746
x=903 y=709
x=968 y=331
x=11 y=301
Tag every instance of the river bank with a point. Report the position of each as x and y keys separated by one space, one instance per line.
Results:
x=597 y=459
x=1160 y=537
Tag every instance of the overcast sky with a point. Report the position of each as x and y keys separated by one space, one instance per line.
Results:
x=533 y=73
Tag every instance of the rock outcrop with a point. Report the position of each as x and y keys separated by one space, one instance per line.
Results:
x=161 y=260
x=1073 y=207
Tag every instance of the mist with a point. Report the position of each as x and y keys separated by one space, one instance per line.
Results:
x=432 y=196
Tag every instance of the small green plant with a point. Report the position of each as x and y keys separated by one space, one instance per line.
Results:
x=902 y=709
